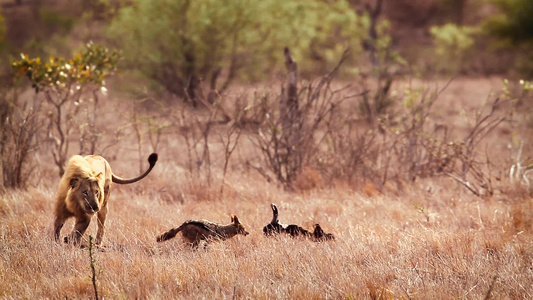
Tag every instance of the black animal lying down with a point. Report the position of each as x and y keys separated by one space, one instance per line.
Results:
x=275 y=228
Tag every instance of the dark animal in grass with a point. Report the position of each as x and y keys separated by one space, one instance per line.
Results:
x=320 y=235
x=275 y=227
x=195 y=231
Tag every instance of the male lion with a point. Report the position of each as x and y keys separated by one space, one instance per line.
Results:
x=84 y=190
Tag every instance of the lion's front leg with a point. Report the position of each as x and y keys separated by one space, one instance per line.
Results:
x=102 y=215
x=79 y=229
x=58 y=225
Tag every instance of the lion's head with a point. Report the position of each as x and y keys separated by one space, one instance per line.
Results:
x=87 y=193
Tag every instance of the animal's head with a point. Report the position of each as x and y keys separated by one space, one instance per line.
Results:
x=239 y=226
x=318 y=229
x=87 y=192
x=320 y=235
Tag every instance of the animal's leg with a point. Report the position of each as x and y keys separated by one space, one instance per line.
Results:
x=58 y=225
x=79 y=229
x=195 y=244
x=102 y=214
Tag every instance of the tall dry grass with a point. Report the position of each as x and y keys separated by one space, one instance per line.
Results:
x=384 y=246
x=430 y=240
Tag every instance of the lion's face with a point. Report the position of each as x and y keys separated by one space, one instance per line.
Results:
x=88 y=194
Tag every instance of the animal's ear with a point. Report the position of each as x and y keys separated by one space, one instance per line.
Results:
x=73 y=181
x=99 y=175
x=232 y=218
x=235 y=220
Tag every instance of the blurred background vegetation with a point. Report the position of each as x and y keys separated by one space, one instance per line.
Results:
x=183 y=51
x=176 y=45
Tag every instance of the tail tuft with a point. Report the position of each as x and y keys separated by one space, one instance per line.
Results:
x=152 y=159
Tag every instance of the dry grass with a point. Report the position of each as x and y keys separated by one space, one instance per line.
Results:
x=431 y=240
x=384 y=245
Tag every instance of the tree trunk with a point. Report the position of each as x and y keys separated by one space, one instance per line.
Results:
x=290 y=117
x=289 y=111
x=192 y=79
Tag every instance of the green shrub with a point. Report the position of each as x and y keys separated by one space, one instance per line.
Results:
x=515 y=22
x=70 y=87
x=182 y=43
x=90 y=66
x=3 y=27
x=452 y=44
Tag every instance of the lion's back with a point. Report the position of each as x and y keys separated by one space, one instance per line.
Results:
x=98 y=164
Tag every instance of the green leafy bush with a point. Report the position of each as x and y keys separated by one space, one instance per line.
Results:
x=3 y=27
x=67 y=87
x=452 y=43
x=515 y=22
x=92 y=65
x=512 y=29
x=56 y=20
x=183 y=43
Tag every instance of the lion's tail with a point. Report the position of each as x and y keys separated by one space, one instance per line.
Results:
x=169 y=234
x=152 y=159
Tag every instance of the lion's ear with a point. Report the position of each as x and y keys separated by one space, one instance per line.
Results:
x=99 y=175
x=73 y=182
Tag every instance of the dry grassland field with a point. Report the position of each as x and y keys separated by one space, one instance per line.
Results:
x=430 y=238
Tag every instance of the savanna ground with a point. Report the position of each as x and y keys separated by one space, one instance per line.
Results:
x=431 y=238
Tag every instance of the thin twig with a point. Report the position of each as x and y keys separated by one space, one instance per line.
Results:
x=491 y=287
x=93 y=271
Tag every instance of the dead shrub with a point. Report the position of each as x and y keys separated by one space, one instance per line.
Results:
x=308 y=179
x=352 y=153
x=21 y=123
x=199 y=190
x=291 y=133
x=407 y=144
